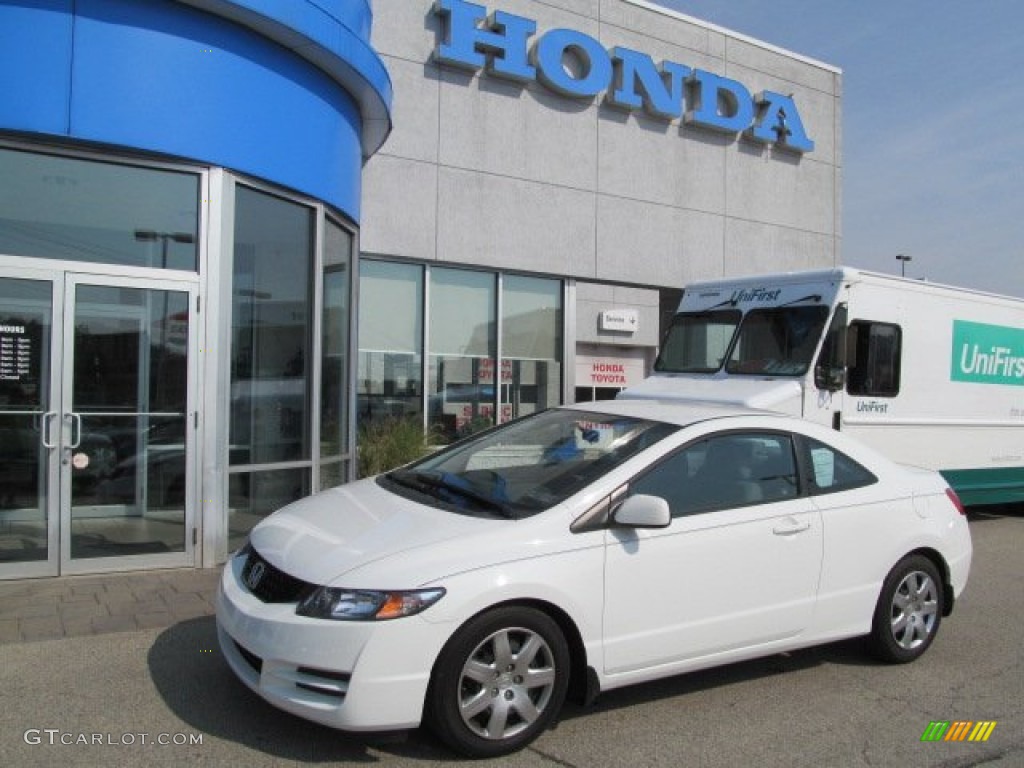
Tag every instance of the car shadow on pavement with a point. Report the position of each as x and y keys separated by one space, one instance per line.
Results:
x=197 y=685
x=845 y=653
x=994 y=512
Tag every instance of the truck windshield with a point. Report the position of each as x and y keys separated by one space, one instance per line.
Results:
x=697 y=342
x=777 y=342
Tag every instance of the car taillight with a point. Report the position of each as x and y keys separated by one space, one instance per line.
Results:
x=956 y=501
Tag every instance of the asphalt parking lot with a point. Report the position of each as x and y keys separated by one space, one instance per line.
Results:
x=164 y=696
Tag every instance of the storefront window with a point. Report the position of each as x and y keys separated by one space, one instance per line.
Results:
x=466 y=381
x=82 y=210
x=334 y=357
x=254 y=495
x=271 y=301
x=390 y=340
x=531 y=345
x=290 y=428
x=462 y=352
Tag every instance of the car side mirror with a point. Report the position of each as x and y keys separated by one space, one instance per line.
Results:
x=642 y=511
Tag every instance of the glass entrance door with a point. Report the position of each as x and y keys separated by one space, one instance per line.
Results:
x=28 y=416
x=103 y=444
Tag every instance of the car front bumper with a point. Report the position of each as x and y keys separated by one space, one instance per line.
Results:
x=351 y=675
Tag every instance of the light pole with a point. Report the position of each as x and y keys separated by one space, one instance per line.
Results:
x=902 y=259
x=151 y=236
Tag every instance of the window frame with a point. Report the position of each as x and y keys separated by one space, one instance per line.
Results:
x=856 y=328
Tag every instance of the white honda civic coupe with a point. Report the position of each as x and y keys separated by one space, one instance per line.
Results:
x=578 y=550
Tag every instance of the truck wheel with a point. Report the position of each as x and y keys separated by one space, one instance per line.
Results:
x=499 y=682
x=909 y=611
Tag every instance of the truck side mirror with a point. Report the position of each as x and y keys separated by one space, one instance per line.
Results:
x=834 y=378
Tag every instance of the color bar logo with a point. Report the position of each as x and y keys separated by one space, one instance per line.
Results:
x=958 y=730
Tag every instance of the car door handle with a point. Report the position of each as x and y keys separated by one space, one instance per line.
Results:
x=791 y=530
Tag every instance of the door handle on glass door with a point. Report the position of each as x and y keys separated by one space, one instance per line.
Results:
x=45 y=429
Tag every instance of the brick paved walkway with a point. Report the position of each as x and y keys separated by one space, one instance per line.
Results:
x=44 y=609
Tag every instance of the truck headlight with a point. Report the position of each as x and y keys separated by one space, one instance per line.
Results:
x=366 y=604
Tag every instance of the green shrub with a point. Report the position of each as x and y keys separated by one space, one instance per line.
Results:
x=388 y=443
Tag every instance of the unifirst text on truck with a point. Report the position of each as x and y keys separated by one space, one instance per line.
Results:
x=928 y=374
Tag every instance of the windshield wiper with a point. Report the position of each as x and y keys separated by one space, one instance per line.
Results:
x=452 y=484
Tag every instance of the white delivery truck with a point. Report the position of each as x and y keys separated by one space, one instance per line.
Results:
x=928 y=374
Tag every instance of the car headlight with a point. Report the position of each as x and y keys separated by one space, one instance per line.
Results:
x=366 y=604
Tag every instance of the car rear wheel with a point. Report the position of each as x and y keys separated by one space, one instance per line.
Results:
x=499 y=682
x=909 y=611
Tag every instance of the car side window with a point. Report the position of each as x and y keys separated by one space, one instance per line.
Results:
x=730 y=470
x=832 y=471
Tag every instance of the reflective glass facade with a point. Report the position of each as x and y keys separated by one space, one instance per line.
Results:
x=152 y=387
x=180 y=192
x=489 y=345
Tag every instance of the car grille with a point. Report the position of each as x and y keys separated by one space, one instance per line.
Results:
x=271 y=584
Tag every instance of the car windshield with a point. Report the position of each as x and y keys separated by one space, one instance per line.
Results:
x=697 y=342
x=777 y=342
x=529 y=465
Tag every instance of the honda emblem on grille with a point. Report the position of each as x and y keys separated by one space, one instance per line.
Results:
x=255 y=575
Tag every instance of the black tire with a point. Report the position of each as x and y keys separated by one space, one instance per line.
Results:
x=499 y=682
x=909 y=611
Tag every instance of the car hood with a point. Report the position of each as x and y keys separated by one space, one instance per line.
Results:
x=755 y=392
x=368 y=537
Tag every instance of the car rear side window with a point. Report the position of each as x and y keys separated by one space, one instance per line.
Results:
x=830 y=471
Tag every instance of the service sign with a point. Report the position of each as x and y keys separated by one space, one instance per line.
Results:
x=622 y=320
x=501 y=44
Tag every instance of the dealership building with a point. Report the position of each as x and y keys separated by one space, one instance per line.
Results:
x=231 y=231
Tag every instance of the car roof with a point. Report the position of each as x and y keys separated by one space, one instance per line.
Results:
x=679 y=412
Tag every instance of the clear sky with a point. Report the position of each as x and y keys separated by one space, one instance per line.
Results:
x=933 y=126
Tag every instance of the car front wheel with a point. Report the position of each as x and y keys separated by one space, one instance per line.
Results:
x=499 y=682
x=909 y=611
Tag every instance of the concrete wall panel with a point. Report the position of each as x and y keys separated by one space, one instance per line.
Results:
x=415 y=110
x=401 y=208
x=752 y=248
x=655 y=25
x=499 y=222
x=780 y=65
x=775 y=186
x=647 y=159
x=405 y=29
x=495 y=126
x=665 y=245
